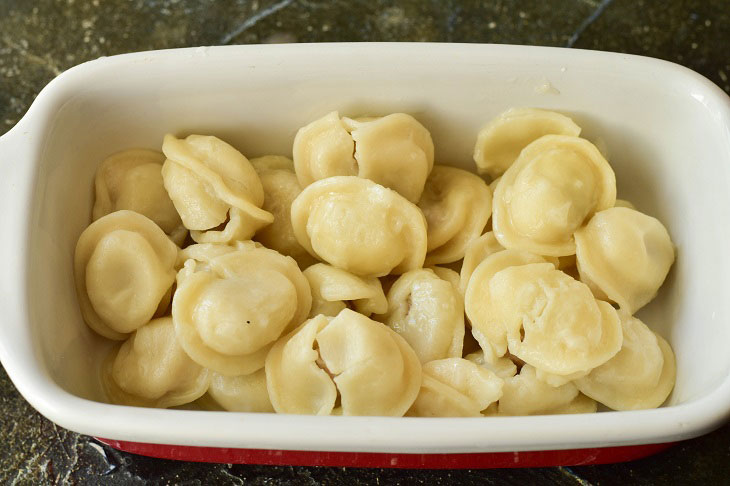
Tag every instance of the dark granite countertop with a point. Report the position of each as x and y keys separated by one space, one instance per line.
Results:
x=39 y=39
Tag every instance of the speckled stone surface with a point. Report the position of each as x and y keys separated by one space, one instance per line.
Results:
x=40 y=39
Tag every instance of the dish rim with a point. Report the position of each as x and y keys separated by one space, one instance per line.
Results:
x=25 y=365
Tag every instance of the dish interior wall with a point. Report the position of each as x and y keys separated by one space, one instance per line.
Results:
x=669 y=152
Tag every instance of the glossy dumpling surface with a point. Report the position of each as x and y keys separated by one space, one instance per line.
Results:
x=640 y=376
x=476 y=251
x=503 y=367
x=132 y=179
x=455 y=387
x=525 y=394
x=206 y=178
x=334 y=289
x=359 y=226
x=324 y=148
x=480 y=306
x=296 y=378
x=552 y=321
x=123 y=267
x=370 y=367
x=242 y=393
x=428 y=312
x=151 y=369
x=229 y=312
x=395 y=151
x=281 y=187
x=500 y=142
x=457 y=205
x=553 y=188
x=625 y=254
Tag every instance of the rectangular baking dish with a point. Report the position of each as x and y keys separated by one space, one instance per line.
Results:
x=666 y=130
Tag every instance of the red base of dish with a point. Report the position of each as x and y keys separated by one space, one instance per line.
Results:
x=482 y=460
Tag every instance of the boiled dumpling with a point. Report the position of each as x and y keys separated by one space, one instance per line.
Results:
x=457 y=205
x=242 y=393
x=553 y=188
x=212 y=184
x=625 y=255
x=455 y=387
x=323 y=149
x=369 y=367
x=428 y=312
x=132 y=179
x=552 y=321
x=296 y=378
x=359 y=226
x=476 y=251
x=229 y=311
x=123 y=268
x=501 y=141
x=334 y=289
x=640 y=376
x=395 y=151
x=525 y=394
x=486 y=325
x=281 y=187
x=151 y=369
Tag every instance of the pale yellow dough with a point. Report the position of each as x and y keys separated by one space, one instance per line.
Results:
x=123 y=268
x=553 y=188
x=500 y=142
x=455 y=387
x=476 y=251
x=281 y=187
x=525 y=394
x=359 y=226
x=229 y=311
x=625 y=255
x=486 y=325
x=395 y=151
x=132 y=179
x=210 y=184
x=242 y=393
x=429 y=313
x=151 y=369
x=370 y=367
x=334 y=289
x=640 y=376
x=457 y=205
x=503 y=367
x=552 y=321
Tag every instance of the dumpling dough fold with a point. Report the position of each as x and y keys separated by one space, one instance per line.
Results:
x=123 y=268
x=206 y=178
x=457 y=205
x=151 y=369
x=625 y=255
x=395 y=151
x=359 y=226
x=553 y=188
x=370 y=368
x=500 y=142
x=229 y=311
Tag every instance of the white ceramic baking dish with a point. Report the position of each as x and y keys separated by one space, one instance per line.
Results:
x=666 y=129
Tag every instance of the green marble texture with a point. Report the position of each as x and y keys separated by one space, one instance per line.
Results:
x=40 y=39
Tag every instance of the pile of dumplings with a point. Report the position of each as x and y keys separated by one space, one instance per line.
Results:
x=360 y=278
